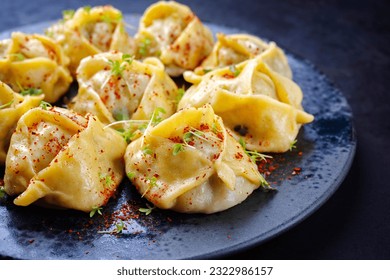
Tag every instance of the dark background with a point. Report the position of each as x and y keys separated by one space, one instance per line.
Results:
x=349 y=42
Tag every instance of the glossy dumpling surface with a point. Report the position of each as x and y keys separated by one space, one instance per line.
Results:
x=34 y=61
x=190 y=163
x=257 y=104
x=89 y=31
x=113 y=86
x=61 y=159
x=12 y=107
x=235 y=48
x=173 y=33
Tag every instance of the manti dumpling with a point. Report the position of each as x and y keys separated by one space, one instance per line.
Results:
x=12 y=107
x=257 y=104
x=90 y=31
x=235 y=48
x=173 y=33
x=113 y=86
x=34 y=61
x=190 y=163
x=60 y=159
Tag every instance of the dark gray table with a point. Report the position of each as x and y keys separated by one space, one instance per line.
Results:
x=349 y=42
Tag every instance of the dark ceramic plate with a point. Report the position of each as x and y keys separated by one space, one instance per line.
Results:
x=324 y=153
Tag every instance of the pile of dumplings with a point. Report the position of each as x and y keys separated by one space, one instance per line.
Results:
x=184 y=150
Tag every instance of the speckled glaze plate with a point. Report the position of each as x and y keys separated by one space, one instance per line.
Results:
x=324 y=153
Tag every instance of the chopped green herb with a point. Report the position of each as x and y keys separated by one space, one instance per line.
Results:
x=293 y=145
x=234 y=70
x=68 y=14
x=95 y=209
x=7 y=104
x=45 y=105
x=147 y=210
x=144 y=47
x=177 y=148
x=131 y=175
x=2 y=192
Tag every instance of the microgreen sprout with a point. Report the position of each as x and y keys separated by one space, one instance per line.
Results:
x=152 y=182
x=119 y=227
x=45 y=105
x=177 y=148
x=148 y=210
x=107 y=179
x=144 y=47
x=2 y=192
x=254 y=155
x=156 y=116
x=147 y=151
x=95 y=209
x=293 y=145
x=180 y=93
x=130 y=175
x=18 y=56
x=68 y=14
x=28 y=91
x=117 y=67
x=234 y=70
x=7 y=104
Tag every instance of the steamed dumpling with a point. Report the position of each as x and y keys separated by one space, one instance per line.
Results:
x=256 y=103
x=90 y=31
x=34 y=61
x=173 y=33
x=235 y=48
x=12 y=107
x=190 y=163
x=115 y=87
x=61 y=159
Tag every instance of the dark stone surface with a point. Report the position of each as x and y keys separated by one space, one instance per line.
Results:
x=349 y=43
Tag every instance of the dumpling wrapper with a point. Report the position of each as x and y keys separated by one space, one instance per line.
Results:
x=257 y=104
x=61 y=159
x=12 y=107
x=134 y=94
x=174 y=34
x=91 y=31
x=235 y=48
x=34 y=61
x=210 y=173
